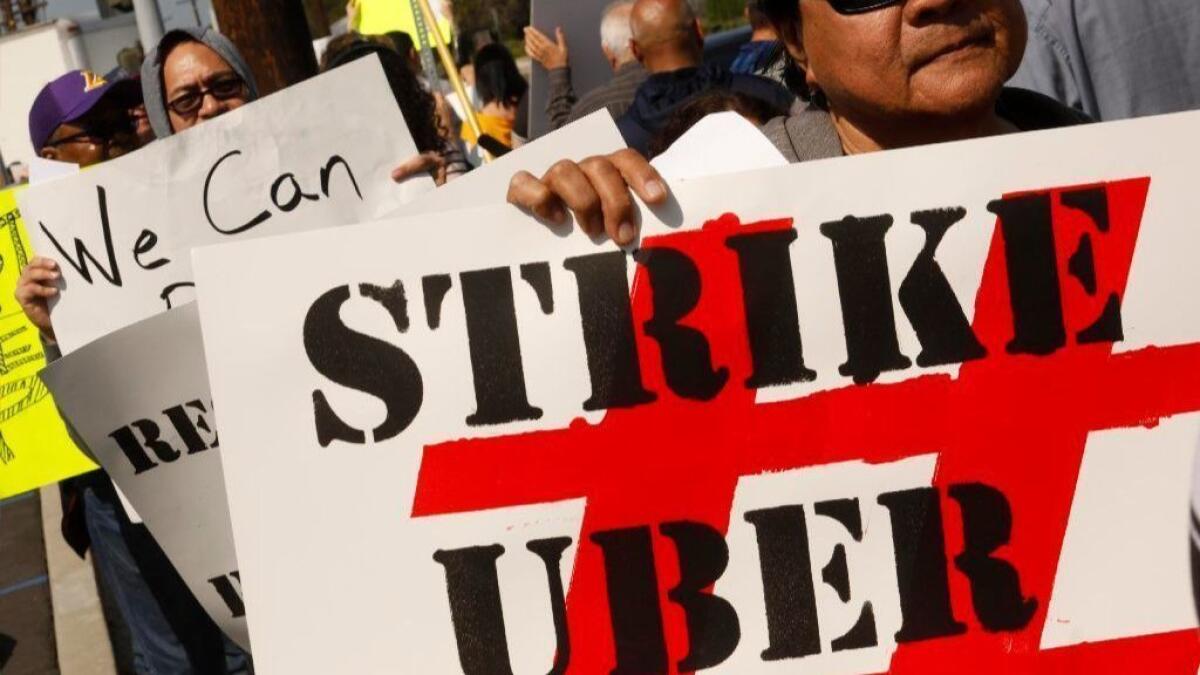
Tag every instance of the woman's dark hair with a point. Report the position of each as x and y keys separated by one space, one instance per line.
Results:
x=699 y=107
x=402 y=42
x=497 y=79
x=783 y=13
x=416 y=104
x=780 y=11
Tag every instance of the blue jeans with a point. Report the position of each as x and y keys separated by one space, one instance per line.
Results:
x=170 y=631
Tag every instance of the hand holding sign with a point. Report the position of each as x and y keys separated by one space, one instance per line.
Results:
x=36 y=287
x=596 y=190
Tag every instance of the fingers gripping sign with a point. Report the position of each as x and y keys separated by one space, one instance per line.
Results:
x=596 y=190
x=37 y=285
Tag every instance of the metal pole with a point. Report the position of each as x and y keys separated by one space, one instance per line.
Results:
x=273 y=37
x=428 y=62
x=149 y=23
x=452 y=72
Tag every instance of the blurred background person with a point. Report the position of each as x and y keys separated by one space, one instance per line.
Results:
x=500 y=88
x=562 y=104
x=1114 y=59
x=668 y=41
x=764 y=55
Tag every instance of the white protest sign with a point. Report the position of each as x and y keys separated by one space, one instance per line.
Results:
x=314 y=155
x=487 y=185
x=139 y=400
x=851 y=397
x=720 y=143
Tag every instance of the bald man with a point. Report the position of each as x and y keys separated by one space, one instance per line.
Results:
x=669 y=43
x=616 y=95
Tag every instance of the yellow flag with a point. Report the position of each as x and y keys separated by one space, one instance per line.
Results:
x=377 y=17
x=35 y=448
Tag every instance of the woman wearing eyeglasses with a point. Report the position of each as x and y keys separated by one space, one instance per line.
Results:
x=879 y=74
x=194 y=75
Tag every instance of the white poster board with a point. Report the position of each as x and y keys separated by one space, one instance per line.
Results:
x=139 y=400
x=314 y=155
x=487 y=185
x=580 y=21
x=491 y=421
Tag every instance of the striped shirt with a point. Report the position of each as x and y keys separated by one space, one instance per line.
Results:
x=563 y=107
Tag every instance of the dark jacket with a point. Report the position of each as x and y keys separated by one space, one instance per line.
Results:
x=616 y=95
x=662 y=93
x=811 y=135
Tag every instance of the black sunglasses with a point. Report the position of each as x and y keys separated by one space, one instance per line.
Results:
x=98 y=132
x=859 y=6
x=222 y=88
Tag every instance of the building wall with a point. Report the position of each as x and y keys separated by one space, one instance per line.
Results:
x=28 y=60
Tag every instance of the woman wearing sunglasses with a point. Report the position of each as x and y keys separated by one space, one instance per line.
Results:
x=879 y=74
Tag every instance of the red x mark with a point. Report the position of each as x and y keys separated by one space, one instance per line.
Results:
x=1018 y=424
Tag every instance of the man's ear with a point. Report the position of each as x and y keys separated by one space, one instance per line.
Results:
x=637 y=52
x=792 y=34
x=609 y=56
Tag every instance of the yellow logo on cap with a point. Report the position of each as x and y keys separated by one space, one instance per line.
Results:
x=92 y=81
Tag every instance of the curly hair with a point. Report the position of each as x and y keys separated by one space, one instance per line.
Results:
x=416 y=104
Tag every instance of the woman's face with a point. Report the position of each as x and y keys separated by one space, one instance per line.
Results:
x=199 y=85
x=915 y=59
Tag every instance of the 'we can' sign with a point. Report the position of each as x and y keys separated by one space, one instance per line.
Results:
x=918 y=411
x=314 y=155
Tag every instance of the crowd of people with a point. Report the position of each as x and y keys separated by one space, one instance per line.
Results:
x=822 y=78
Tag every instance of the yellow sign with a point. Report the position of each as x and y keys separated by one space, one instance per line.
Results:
x=35 y=448
x=376 y=17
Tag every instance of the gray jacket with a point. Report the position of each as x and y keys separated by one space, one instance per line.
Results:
x=810 y=134
x=152 y=81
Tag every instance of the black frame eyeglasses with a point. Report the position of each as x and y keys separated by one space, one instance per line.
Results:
x=223 y=87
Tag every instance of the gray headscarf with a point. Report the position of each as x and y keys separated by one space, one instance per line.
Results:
x=152 y=82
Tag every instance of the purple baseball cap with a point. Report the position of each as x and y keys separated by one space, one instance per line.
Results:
x=72 y=96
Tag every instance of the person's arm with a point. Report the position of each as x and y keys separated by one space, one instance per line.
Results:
x=561 y=97
x=554 y=57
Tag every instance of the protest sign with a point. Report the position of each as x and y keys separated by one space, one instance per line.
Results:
x=595 y=134
x=35 y=448
x=922 y=410
x=720 y=143
x=139 y=399
x=580 y=22
x=316 y=154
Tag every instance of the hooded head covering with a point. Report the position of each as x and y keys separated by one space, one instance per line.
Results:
x=152 y=79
